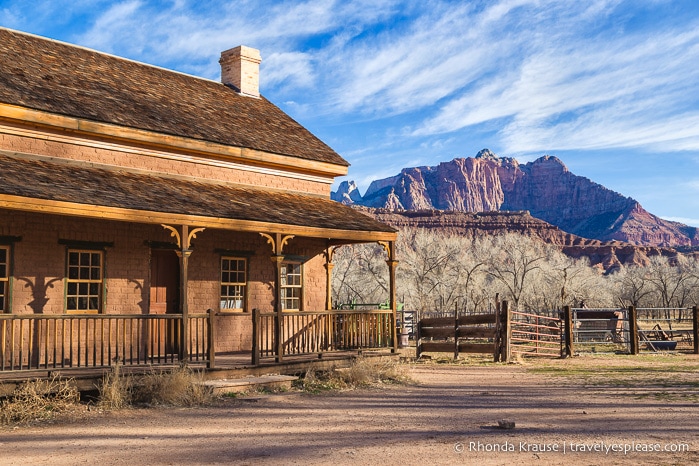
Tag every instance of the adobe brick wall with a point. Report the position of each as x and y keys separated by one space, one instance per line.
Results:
x=53 y=145
x=39 y=268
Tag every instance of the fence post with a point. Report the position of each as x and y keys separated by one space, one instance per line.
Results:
x=568 y=331
x=255 y=337
x=211 y=336
x=695 y=321
x=633 y=330
x=506 y=331
x=497 y=351
x=456 y=330
x=418 y=335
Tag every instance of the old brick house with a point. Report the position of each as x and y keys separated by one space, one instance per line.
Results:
x=132 y=190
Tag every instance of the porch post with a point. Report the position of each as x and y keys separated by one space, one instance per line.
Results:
x=184 y=254
x=184 y=238
x=392 y=264
x=279 y=317
x=278 y=241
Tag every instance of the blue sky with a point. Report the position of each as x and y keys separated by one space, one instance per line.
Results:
x=611 y=87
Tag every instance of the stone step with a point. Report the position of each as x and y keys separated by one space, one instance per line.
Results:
x=246 y=384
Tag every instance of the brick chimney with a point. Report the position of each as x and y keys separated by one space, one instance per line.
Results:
x=240 y=68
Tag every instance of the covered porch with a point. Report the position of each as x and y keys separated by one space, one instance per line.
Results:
x=283 y=243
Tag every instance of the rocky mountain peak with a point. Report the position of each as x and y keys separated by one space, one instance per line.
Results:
x=347 y=193
x=487 y=154
x=544 y=187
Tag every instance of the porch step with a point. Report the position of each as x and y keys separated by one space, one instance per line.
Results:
x=224 y=386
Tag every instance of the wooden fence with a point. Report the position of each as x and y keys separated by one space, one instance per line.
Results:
x=317 y=332
x=631 y=329
x=506 y=332
x=479 y=333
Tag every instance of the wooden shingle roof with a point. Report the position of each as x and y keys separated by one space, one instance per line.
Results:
x=61 y=186
x=50 y=76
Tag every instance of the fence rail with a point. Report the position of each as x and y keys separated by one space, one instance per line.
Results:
x=310 y=332
x=535 y=335
x=632 y=330
x=476 y=333
x=45 y=341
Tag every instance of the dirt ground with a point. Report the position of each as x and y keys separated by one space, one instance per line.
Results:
x=574 y=412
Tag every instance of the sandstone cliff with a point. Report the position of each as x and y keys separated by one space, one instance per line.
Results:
x=607 y=255
x=545 y=188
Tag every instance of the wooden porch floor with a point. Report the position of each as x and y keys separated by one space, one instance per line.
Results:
x=227 y=366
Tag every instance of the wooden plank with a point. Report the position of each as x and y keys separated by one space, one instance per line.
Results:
x=476 y=332
x=437 y=332
x=486 y=348
x=438 y=322
x=435 y=347
x=477 y=319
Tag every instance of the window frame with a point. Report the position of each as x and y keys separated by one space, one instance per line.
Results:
x=296 y=287
x=5 y=279
x=243 y=295
x=89 y=295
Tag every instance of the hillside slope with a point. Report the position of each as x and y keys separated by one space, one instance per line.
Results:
x=545 y=188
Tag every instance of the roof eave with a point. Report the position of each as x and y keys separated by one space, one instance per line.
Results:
x=26 y=204
x=124 y=134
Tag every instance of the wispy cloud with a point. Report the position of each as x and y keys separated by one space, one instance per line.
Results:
x=392 y=82
x=576 y=92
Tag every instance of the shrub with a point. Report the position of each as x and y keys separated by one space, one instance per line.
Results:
x=363 y=372
x=39 y=400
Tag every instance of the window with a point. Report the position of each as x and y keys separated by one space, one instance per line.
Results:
x=4 y=276
x=233 y=283
x=84 y=282
x=291 y=287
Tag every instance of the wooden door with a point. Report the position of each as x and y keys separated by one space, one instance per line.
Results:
x=164 y=282
x=165 y=298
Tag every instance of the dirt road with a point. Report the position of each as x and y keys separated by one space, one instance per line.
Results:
x=447 y=417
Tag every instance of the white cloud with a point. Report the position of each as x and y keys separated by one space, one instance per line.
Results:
x=570 y=93
x=288 y=69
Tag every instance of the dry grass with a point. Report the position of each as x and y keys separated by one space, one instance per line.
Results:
x=363 y=372
x=39 y=400
x=176 y=387
x=179 y=387
x=115 y=391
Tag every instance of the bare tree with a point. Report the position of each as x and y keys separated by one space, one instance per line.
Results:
x=514 y=262
x=426 y=269
x=669 y=281
x=360 y=274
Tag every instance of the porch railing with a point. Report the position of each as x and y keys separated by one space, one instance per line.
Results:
x=321 y=331
x=45 y=341
x=50 y=342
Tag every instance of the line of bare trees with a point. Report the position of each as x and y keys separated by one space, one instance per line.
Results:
x=438 y=272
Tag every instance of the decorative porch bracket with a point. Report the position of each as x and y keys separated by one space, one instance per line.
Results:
x=329 y=254
x=184 y=239
x=278 y=241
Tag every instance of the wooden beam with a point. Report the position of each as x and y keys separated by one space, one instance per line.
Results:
x=482 y=348
x=477 y=319
x=26 y=204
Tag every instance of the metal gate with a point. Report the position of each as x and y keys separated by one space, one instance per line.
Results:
x=535 y=335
